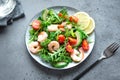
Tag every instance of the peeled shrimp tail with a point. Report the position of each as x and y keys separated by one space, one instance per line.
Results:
x=53 y=27
x=77 y=56
x=34 y=47
x=53 y=45
x=42 y=36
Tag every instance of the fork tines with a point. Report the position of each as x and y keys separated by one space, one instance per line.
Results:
x=113 y=47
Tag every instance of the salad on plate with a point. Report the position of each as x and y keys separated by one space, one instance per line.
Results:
x=59 y=38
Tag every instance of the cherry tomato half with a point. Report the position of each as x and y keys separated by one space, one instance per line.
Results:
x=73 y=19
x=72 y=41
x=69 y=48
x=36 y=24
x=61 y=39
x=85 y=45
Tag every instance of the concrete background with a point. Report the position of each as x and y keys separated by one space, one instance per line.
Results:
x=17 y=64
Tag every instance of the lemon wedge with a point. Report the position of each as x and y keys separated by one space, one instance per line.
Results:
x=83 y=19
x=91 y=26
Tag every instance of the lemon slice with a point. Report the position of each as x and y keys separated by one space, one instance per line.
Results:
x=91 y=26
x=84 y=19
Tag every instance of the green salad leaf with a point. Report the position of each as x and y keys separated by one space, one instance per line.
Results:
x=57 y=56
x=33 y=35
x=45 y=43
x=53 y=35
x=64 y=11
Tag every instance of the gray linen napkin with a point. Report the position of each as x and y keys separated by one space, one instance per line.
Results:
x=17 y=13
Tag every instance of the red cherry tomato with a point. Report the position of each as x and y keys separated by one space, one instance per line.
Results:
x=36 y=24
x=73 y=19
x=69 y=48
x=72 y=41
x=85 y=45
x=60 y=14
x=61 y=39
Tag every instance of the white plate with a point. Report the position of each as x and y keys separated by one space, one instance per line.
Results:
x=71 y=11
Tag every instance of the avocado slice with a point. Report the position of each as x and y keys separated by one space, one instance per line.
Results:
x=44 y=14
x=79 y=37
x=60 y=64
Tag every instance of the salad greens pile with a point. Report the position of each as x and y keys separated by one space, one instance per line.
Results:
x=59 y=58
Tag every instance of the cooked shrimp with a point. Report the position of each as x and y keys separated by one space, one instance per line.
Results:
x=42 y=36
x=62 y=29
x=34 y=47
x=63 y=23
x=53 y=45
x=77 y=56
x=53 y=27
x=69 y=26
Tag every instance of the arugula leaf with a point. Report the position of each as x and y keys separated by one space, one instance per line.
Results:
x=45 y=43
x=43 y=53
x=53 y=35
x=57 y=56
x=64 y=11
x=54 y=18
x=33 y=35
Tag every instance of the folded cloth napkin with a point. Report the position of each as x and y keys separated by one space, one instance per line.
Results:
x=17 y=13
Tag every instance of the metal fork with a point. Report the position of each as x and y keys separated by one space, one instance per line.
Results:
x=108 y=52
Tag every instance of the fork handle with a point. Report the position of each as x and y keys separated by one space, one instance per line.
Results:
x=86 y=70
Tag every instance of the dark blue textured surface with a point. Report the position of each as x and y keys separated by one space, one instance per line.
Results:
x=17 y=64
